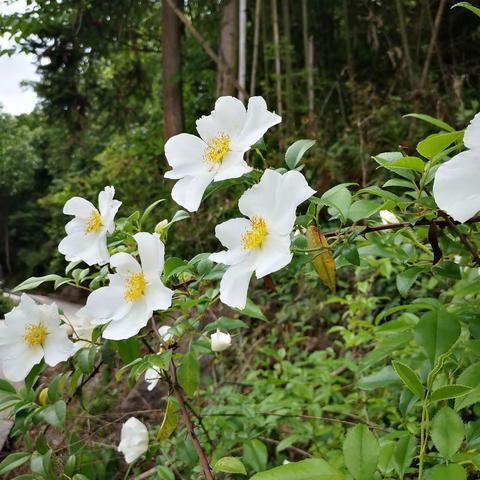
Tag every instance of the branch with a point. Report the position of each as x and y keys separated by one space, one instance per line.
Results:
x=203 y=43
x=188 y=421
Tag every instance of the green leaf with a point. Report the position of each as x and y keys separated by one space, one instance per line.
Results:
x=408 y=163
x=409 y=378
x=149 y=210
x=255 y=454
x=360 y=452
x=433 y=121
x=436 y=143
x=230 y=465
x=436 y=332
x=449 y=391
x=407 y=278
x=34 y=282
x=296 y=151
x=470 y=377
x=12 y=461
x=468 y=6
x=363 y=209
x=447 y=432
x=448 y=472
x=339 y=198
x=6 y=387
x=170 y=420
x=189 y=373
x=55 y=414
x=163 y=473
x=310 y=469
x=252 y=310
x=404 y=454
x=129 y=349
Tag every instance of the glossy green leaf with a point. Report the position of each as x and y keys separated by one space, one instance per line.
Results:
x=432 y=120
x=310 y=469
x=410 y=379
x=230 y=465
x=449 y=391
x=407 y=278
x=296 y=151
x=34 y=282
x=436 y=143
x=447 y=432
x=360 y=452
x=468 y=6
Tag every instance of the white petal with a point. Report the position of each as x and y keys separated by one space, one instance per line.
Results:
x=57 y=347
x=188 y=191
x=80 y=207
x=471 y=138
x=91 y=248
x=258 y=121
x=124 y=264
x=17 y=369
x=108 y=207
x=232 y=166
x=104 y=303
x=134 y=439
x=76 y=225
x=158 y=296
x=184 y=153
x=229 y=257
x=152 y=377
x=273 y=255
x=151 y=251
x=230 y=232
x=228 y=117
x=276 y=198
x=130 y=324
x=234 y=285
x=456 y=186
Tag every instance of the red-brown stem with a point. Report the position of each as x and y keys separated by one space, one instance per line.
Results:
x=188 y=422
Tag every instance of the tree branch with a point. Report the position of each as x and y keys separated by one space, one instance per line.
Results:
x=177 y=389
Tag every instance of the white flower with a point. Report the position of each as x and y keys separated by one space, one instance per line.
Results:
x=83 y=325
x=388 y=217
x=87 y=233
x=225 y=135
x=133 y=439
x=163 y=331
x=456 y=187
x=32 y=332
x=135 y=291
x=261 y=242
x=152 y=376
x=220 y=341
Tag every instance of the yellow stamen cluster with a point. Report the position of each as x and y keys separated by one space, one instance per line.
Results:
x=134 y=287
x=255 y=235
x=94 y=223
x=217 y=149
x=35 y=334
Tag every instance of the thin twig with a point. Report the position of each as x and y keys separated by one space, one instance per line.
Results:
x=188 y=422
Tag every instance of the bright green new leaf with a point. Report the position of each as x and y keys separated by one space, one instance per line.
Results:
x=410 y=379
x=296 y=151
x=360 y=452
x=189 y=373
x=363 y=209
x=449 y=391
x=449 y=472
x=310 y=469
x=34 y=282
x=230 y=465
x=432 y=120
x=436 y=332
x=436 y=143
x=255 y=454
x=468 y=6
x=447 y=432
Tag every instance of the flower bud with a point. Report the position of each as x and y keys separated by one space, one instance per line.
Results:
x=160 y=227
x=388 y=217
x=134 y=439
x=43 y=397
x=220 y=341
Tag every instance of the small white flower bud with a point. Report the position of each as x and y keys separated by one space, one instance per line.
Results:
x=220 y=341
x=388 y=217
x=160 y=227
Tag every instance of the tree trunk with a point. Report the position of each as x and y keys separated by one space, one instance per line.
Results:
x=172 y=71
x=242 y=47
x=228 y=48
x=309 y=65
x=289 y=101
x=405 y=45
x=348 y=39
x=278 y=67
x=256 y=37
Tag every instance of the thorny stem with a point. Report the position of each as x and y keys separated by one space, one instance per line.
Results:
x=188 y=422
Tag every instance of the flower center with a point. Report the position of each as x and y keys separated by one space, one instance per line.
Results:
x=255 y=235
x=35 y=334
x=134 y=287
x=94 y=223
x=217 y=149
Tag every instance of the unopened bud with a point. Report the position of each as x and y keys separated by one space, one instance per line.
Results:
x=43 y=397
x=388 y=217
x=160 y=227
x=220 y=341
